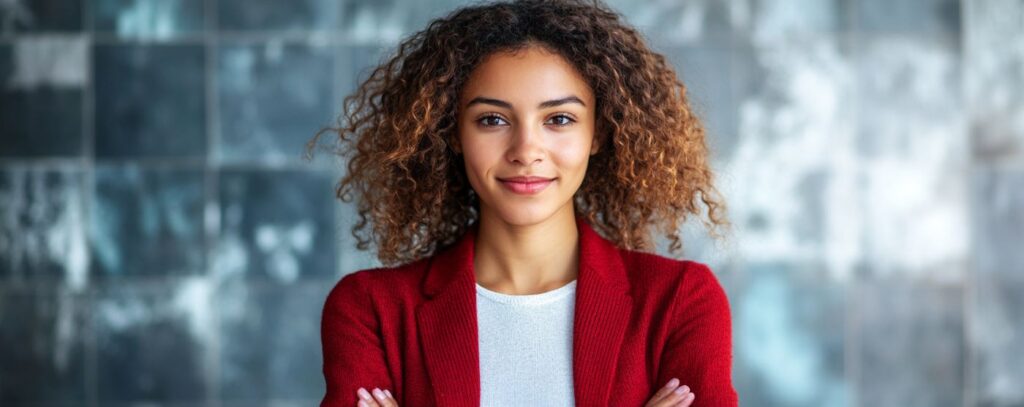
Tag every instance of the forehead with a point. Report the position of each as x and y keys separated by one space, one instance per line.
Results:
x=528 y=76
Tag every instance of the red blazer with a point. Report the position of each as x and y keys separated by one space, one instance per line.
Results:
x=640 y=319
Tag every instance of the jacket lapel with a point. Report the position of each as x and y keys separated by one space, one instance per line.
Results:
x=447 y=321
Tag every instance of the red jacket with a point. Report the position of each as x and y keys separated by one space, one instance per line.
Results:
x=640 y=319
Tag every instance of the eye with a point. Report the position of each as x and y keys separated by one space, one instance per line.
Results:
x=568 y=120
x=485 y=123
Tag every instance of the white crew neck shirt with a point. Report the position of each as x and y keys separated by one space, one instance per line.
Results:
x=526 y=347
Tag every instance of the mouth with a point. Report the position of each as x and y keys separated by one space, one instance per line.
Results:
x=526 y=185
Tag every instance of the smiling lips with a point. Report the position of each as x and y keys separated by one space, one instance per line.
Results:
x=526 y=185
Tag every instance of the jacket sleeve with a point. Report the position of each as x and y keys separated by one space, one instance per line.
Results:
x=352 y=348
x=698 y=348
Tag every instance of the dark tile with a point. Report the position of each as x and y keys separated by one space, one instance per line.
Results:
x=150 y=101
x=41 y=16
x=42 y=234
x=273 y=347
x=277 y=15
x=790 y=336
x=350 y=258
x=43 y=346
x=910 y=337
x=41 y=102
x=908 y=16
x=998 y=221
x=153 y=342
x=147 y=222
x=151 y=19
x=993 y=77
x=273 y=98
x=356 y=64
x=392 y=21
x=276 y=225
x=707 y=74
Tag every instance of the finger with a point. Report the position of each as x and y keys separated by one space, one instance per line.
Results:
x=365 y=398
x=664 y=391
x=384 y=399
x=676 y=397
x=687 y=400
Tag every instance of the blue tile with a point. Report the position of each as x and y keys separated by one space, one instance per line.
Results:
x=993 y=78
x=277 y=15
x=276 y=225
x=43 y=345
x=43 y=237
x=273 y=98
x=680 y=22
x=42 y=16
x=774 y=21
x=998 y=222
x=707 y=73
x=149 y=19
x=147 y=222
x=996 y=340
x=152 y=343
x=41 y=102
x=908 y=16
x=149 y=101
x=275 y=351
x=911 y=346
x=790 y=337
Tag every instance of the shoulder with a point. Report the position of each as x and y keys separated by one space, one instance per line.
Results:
x=379 y=282
x=687 y=282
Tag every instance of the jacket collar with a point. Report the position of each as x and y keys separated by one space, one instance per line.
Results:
x=448 y=325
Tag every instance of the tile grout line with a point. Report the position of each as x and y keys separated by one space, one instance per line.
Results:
x=210 y=212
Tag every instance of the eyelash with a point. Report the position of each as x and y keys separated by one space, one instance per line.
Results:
x=480 y=120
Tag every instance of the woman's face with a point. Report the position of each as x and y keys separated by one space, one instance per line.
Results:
x=528 y=114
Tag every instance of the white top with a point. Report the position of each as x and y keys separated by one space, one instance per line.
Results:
x=526 y=347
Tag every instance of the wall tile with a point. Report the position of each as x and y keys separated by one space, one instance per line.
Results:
x=993 y=57
x=270 y=336
x=789 y=337
x=42 y=234
x=907 y=16
x=273 y=98
x=41 y=16
x=147 y=222
x=997 y=207
x=275 y=225
x=913 y=156
x=41 y=101
x=148 y=19
x=277 y=15
x=909 y=340
x=149 y=101
x=996 y=339
x=707 y=73
x=43 y=345
x=153 y=342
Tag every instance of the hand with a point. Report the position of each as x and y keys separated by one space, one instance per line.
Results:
x=671 y=395
x=379 y=398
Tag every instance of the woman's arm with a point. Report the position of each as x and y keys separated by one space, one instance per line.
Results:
x=698 y=349
x=353 y=353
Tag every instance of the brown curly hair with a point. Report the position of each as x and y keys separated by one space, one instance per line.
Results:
x=401 y=123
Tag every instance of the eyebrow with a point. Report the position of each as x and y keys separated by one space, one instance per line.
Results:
x=542 y=105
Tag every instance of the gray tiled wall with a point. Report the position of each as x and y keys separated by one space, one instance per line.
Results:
x=162 y=242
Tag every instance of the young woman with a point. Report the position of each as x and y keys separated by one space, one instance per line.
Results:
x=509 y=162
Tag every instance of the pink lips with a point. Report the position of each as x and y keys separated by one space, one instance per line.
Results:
x=526 y=185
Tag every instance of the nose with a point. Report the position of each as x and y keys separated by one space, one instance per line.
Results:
x=527 y=145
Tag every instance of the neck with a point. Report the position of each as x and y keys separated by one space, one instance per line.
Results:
x=526 y=259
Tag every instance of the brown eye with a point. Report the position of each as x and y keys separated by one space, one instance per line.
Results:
x=490 y=120
x=568 y=120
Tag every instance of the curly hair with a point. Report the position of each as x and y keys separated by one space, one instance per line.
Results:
x=401 y=123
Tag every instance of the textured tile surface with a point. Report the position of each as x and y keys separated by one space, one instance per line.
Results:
x=147 y=222
x=275 y=225
x=273 y=98
x=149 y=101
